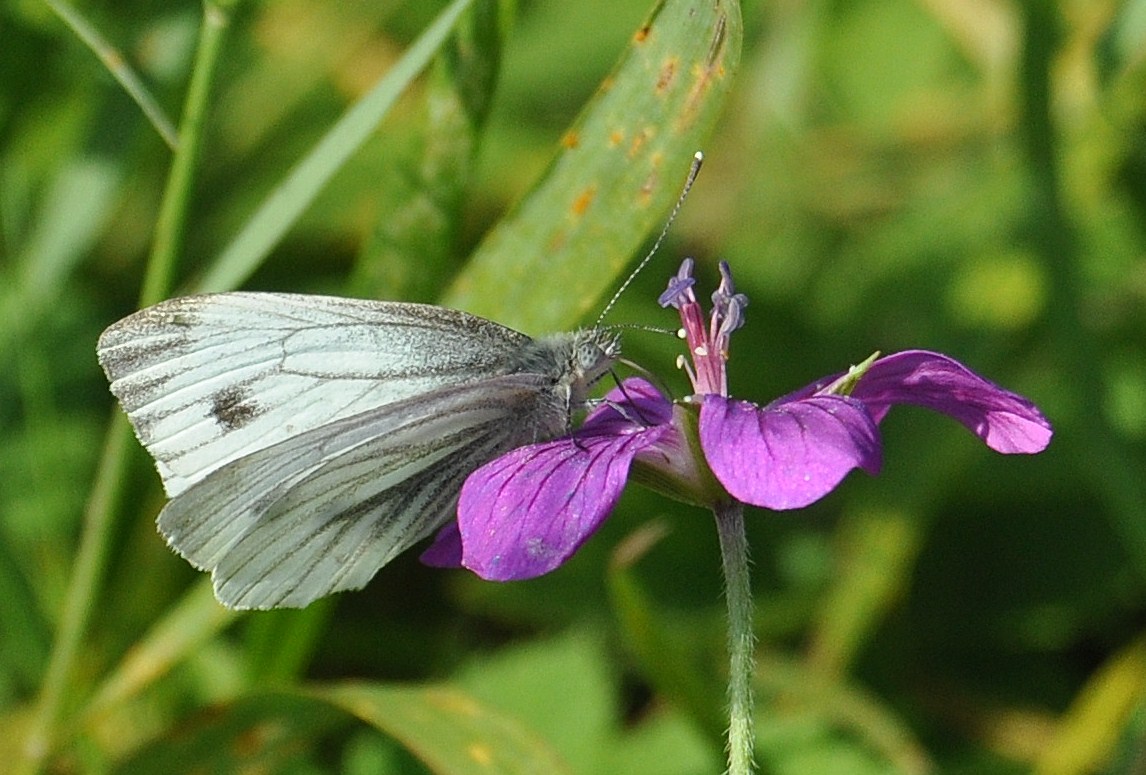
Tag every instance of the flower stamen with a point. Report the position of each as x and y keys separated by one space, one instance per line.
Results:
x=708 y=344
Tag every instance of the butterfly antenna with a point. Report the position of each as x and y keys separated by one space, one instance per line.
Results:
x=645 y=328
x=693 y=171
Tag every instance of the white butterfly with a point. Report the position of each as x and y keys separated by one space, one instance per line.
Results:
x=305 y=441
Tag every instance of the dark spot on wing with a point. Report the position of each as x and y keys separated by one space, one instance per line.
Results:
x=232 y=407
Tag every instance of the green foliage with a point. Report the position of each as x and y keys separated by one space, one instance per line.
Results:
x=881 y=174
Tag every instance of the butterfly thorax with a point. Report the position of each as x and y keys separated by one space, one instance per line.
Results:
x=573 y=362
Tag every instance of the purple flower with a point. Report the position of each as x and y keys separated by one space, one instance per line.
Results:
x=527 y=512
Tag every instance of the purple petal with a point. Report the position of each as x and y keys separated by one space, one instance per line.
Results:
x=527 y=512
x=786 y=455
x=634 y=401
x=446 y=550
x=1006 y=421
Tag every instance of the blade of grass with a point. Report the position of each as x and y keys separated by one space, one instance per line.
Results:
x=197 y=618
x=1088 y=732
x=90 y=560
x=116 y=63
x=412 y=252
x=91 y=555
x=75 y=208
x=307 y=178
x=177 y=194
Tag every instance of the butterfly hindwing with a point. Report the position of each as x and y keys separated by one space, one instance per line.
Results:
x=323 y=511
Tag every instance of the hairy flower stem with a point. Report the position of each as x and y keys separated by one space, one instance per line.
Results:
x=738 y=593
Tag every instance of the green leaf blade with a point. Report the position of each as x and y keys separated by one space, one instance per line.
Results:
x=620 y=168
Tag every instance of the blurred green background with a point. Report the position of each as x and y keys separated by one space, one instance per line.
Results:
x=967 y=176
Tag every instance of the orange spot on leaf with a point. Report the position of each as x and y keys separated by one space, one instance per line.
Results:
x=583 y=200
x=556 y=243
x=704 y=78
x=645 y=196
x=666 y=76
x=638 y=141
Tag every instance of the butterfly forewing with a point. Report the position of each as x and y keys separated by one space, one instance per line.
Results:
x=206 y=380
